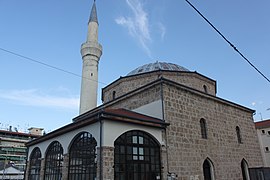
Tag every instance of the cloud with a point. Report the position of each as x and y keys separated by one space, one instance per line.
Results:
x=138 y=24
x=256 y=103
x=34 y=97
x=162 y=30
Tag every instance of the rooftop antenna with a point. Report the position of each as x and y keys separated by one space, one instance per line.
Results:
x=261 y=116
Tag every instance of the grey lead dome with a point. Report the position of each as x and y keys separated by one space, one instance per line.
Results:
x=157 y=66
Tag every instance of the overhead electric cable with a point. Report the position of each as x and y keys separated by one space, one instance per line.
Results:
x=228 y=41
x=47 y=65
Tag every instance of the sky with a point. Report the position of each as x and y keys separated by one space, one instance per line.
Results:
x=132 y=33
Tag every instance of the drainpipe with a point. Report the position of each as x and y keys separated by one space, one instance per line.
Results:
x=100 y=146
x=163 y=118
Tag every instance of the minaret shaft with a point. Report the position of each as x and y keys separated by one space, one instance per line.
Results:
x=91 y=51
x=92 y=35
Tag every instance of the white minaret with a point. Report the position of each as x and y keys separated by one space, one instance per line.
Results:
x=91 y=51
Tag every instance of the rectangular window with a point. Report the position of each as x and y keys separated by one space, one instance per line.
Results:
x=135 y=150
x=134 y=139
x=140 y=140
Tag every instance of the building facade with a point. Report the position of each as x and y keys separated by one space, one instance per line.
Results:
x=160 y=121
x=193 y=133
x=13 y=151
x=263 y=131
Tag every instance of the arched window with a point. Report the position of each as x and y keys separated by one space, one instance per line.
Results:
x=238 y=133
x=54 y=161
x=82 y=157
x=35 y=164
x=205 y=88
x=113 y=95
x=244 y=168
x=136 y=157
x=203 y=128
x=208 y=170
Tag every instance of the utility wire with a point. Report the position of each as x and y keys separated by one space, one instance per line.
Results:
x=48 y=65
x=228 y=41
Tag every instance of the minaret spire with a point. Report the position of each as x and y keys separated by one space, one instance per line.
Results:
x=93 y=15
x=91 y=52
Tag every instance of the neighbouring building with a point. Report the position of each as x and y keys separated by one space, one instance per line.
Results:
x=160 y=121
x=13 y=152
x=263 y=131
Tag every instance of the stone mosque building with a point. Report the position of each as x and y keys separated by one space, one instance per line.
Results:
x=160 y=121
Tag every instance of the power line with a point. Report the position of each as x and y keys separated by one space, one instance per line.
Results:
x=246 y=59
x=48 y=65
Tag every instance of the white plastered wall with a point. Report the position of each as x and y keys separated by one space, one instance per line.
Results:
x=112 y=130
x=264 y=140
x=153 y=109
x=65 y=139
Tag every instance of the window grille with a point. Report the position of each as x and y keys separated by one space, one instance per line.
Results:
x=35 y=164
x=54 y=161
x=136 y=157
x=82 y=158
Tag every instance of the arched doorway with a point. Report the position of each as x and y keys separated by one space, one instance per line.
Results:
x=244 y=168
x=208 y=170
x=136 y=157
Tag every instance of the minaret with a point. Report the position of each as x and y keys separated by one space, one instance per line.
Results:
x=91 y=51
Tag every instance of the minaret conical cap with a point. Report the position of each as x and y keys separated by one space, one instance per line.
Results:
x=93 y=15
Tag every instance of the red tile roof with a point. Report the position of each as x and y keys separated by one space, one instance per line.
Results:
x=120 y=115
x=133 y=115
x=262 y=124
x=4 y=132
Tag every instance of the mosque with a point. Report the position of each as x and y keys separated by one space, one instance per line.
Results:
x=160 y=121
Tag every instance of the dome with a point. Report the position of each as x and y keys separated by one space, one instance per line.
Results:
x=157 y=66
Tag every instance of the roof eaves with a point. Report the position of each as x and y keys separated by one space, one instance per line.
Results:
x=143 y=120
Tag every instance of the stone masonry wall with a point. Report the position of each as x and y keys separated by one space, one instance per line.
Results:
x=65 y=167
x=108 y=162
x=187 y=150
x=42 y=169
x=127 y=84
x=138 y=99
